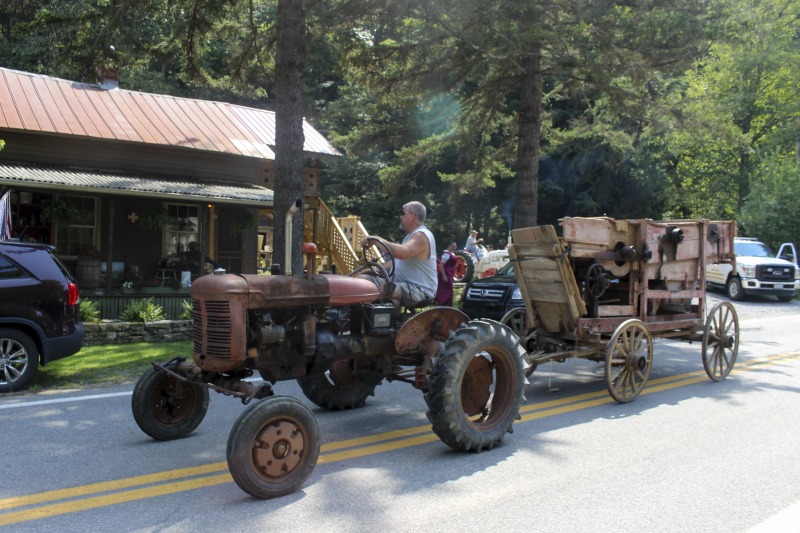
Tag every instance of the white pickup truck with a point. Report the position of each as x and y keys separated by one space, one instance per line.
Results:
x=756 y=270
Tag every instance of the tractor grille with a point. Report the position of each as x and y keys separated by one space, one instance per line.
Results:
x=774 y=273
x=212 y=328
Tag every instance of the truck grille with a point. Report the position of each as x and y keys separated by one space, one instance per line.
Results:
x=774 y=273
x=216 y=326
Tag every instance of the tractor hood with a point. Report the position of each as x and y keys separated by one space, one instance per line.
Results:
x=287 y=291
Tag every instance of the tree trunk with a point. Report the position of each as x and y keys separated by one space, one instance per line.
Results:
x=290 y=62
x=530 y=131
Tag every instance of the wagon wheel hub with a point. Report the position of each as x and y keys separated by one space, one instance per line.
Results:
x=636 y=361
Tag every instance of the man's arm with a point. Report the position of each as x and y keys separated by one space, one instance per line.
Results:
x=416 y=246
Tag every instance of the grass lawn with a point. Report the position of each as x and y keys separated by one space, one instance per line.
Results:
x=112 y=364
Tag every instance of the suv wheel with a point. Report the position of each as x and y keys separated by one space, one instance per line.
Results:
x=19 y=360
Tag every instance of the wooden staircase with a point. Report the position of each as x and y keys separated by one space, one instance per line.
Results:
x=337 y=238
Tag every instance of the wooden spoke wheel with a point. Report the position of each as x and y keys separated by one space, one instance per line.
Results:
x=629 y=359
x=720 y=341
x=517 y=319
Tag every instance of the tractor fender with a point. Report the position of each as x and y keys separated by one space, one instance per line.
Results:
x=425 y=331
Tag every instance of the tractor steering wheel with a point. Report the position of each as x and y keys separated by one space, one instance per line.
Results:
x=376 y=254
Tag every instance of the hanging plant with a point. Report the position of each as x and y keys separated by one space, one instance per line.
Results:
x=60 y=211
x=155 y=219
x=242 y=221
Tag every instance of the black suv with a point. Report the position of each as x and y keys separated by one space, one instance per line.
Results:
x=39 y=312
x=492 y=297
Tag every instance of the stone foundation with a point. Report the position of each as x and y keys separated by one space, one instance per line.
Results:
x=116 y=332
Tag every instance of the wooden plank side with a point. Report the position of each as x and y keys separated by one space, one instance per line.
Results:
x=546 y=278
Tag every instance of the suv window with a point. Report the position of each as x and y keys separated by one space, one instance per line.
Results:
x=9 y=270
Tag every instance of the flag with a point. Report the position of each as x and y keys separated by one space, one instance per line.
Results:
x=5 y=217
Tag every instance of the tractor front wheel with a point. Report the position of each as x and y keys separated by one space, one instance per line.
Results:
x=167 y=408
x=273 y=447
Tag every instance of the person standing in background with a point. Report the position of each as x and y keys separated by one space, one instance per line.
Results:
x=446 y=269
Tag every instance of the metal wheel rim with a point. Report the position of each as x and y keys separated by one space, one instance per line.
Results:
x=486 y=390
x=172 y=401
x=629 y=359
x=278 y=448
x=13 y=360
x=720 y=341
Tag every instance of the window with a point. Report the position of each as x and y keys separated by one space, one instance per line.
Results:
x=79 y=232
x=8 y=269
x=182 y=228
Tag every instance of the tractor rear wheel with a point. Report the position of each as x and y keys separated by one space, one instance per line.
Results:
x=465 y=267
x=273 y=447
x=338 y=388
x=167 y=408
x=476 y=387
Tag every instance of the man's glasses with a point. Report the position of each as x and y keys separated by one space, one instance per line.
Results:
x=405 y=213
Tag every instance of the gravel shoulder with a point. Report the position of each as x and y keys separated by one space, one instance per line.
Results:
x=755 y=306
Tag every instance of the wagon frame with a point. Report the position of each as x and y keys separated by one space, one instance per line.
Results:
x=608 y=287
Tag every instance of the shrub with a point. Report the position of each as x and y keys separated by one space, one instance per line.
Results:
x=186 y=310
x=145 y=310
x=89 y=311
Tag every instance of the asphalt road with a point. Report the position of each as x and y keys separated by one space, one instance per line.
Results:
x=687 y=455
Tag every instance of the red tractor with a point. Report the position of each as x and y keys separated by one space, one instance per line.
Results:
x=339 y=337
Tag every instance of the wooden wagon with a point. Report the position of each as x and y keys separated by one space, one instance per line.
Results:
x=607 y=288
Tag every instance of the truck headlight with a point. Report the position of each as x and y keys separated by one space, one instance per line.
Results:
x=748 y=271
x=517 y=294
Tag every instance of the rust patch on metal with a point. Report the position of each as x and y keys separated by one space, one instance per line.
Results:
x=476 y=386
x=433 y=324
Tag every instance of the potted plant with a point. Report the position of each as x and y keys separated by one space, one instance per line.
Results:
x=155 y=219
x=88 y=268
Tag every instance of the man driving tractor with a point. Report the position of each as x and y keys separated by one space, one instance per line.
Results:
x=414 y=259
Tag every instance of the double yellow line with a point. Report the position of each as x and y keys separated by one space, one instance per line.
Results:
x=58 y=502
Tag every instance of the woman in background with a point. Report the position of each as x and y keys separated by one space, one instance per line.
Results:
x=446 y=267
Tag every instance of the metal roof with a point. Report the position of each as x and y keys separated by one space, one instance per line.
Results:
x=38 y=103
x=91 y=181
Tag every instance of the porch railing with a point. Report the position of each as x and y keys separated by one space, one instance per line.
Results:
x=112 y=305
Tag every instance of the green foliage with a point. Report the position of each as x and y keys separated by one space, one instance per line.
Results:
x=770 y=210
x=144 y=310
x=673 y=109
x=89 y=311
x=186 y=310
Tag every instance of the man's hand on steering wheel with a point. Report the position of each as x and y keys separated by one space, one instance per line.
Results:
x=377 y=254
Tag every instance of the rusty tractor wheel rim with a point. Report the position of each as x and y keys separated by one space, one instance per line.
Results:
x=486 y=390
x=278 y=449
x=342 y=373
x=172 y=402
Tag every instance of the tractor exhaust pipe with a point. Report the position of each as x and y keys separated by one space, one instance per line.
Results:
x=288 y=234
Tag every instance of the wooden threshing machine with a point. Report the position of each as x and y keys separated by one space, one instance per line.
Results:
x=608 y=287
